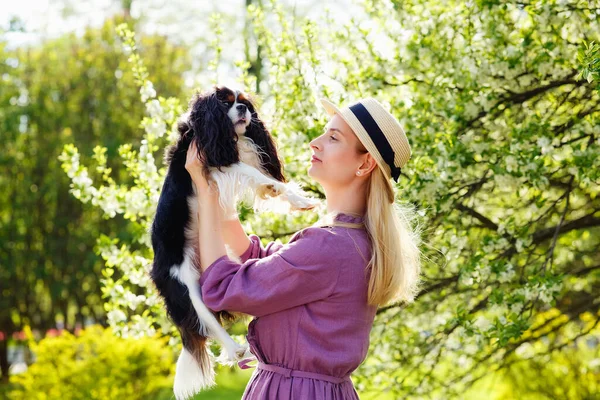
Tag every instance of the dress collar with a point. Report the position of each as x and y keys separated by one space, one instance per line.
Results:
x=351 y=218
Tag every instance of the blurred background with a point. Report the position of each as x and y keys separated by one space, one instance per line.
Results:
x=501 y=104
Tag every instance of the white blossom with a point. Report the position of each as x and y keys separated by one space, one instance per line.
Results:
x=516 y=307
x=511 y=163
x=154 y=109
x=471 y=110
x=545 y=296
x=525 y=350
x=82 y=179
x=471 y=348
x=507 y=275
x=545 y=145
x=147 y=91
x=115 y=316
x=466 y=280
x=482 y=323
x=133 y=300
x=519 y=245
x=156 y=128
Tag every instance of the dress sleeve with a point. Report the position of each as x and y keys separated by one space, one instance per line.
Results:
x=256 y=250
x=300 y=272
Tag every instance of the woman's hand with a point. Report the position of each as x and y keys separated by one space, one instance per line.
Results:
x=194 y=167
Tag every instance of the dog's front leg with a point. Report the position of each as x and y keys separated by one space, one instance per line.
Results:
x=264 y=186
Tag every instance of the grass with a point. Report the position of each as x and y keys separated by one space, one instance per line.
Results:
x=230 y=386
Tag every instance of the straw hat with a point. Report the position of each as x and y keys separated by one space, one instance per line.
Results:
x=379 y=132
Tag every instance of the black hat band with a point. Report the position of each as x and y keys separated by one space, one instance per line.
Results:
x=377 y=136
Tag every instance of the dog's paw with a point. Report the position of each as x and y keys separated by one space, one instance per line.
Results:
x=300 y=203
x=303 y=208
x=242 y=352
x=231 y=353
x=268 y=190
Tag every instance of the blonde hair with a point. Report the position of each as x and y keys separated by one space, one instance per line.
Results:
x=396 y=258
x=395 y=263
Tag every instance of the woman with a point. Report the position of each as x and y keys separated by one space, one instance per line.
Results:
x=315 y=298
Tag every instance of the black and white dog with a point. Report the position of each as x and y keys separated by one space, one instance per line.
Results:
x=240 y=157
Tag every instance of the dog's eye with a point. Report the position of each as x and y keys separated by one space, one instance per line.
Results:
x=227 y=103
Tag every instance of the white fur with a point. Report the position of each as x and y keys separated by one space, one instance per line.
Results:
x=233 y=114
x=188 y=376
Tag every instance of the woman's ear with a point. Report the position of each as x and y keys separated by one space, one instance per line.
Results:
x=368 y=165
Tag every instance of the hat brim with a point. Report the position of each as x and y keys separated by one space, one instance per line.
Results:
x=330 y=107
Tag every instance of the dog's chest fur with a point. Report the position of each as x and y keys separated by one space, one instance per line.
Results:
x=248 y=152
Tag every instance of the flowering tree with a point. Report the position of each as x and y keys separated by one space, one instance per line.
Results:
x=505 y=169
x=506 y=163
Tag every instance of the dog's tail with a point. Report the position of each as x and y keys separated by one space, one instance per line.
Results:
x=195 y=370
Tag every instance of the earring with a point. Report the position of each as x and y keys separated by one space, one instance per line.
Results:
x=357 y=172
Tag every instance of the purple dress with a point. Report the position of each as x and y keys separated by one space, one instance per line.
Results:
x=309 y=299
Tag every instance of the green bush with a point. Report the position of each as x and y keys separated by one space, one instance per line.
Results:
x=96 y=364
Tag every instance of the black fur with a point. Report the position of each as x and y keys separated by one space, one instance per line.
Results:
x=259 y=134
x=217 y=140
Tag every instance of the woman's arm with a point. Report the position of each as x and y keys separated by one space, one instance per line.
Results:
x=211 y=243
x=234 y=236
x=306 y=269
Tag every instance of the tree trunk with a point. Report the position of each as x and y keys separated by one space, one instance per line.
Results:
x=4 y=365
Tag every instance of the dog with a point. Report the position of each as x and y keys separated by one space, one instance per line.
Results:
x=239 y=157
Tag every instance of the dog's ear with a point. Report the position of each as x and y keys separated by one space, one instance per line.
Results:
x=175 y=150
x=183 y=126
x=213 y=130
x=257 y=131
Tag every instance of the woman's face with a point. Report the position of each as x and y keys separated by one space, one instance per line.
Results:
x=340 y=155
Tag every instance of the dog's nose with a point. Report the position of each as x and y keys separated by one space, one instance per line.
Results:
x=241 y=107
